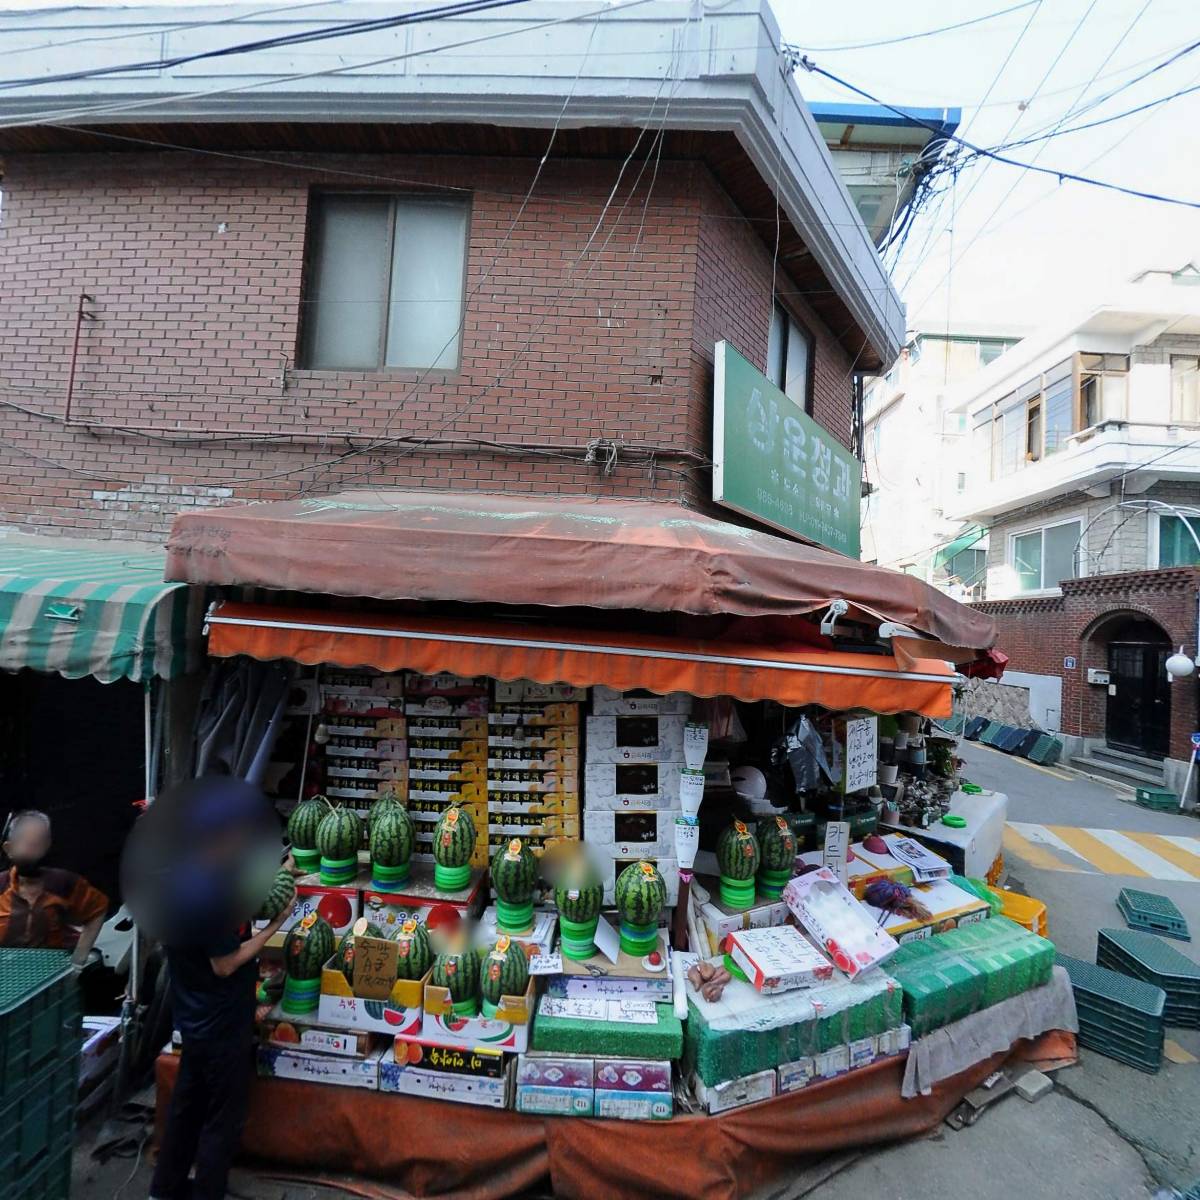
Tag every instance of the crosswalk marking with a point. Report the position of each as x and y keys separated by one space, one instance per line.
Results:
x=1108 y=851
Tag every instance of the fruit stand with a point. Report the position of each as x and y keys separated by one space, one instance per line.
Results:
x=568 y=871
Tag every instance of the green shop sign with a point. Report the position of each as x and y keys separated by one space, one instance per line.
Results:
x=773 y=462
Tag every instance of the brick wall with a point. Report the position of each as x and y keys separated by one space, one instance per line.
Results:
x=1039 y=632
x=187 y=378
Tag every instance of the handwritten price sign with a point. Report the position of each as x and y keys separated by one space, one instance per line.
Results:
x=374 y=967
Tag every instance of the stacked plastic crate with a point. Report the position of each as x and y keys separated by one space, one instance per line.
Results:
x=40 y=1038
x=1144 y=956
x=447 y=755
x=365 y=752
x=533 y=764
x=635 y=763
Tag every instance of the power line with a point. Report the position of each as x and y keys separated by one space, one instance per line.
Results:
x=912 y=37
x=1057 y=173
x=461 y=8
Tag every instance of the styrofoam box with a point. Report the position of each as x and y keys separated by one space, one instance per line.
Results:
x=736 y=1092
x=617 y=739
x=278 y=1063
x=462 y=1089
x=795 y=1075
x=668 y=868
x=624 y=833
x=832 y=1062
x=607 y=701
x=632 y=786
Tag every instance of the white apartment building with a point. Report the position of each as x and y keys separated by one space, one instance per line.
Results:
x=915 y=459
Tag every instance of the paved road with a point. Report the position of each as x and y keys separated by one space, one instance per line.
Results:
x=1107 y=1130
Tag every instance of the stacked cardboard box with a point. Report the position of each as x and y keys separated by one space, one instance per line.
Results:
x=533 y=764
x=447 y=755
x=366 y=754
x=634 y=764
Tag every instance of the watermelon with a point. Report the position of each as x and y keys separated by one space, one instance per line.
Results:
x=283 y=891
x=392 y=836
x=579 y=895
x=776 y=844
x=505 y=971
x=737 y=852
x=385 y=803
x=458 y=972
x=339 y=834
x=343 y=959
x=454 y=838
x=640 y=893
x=302 y=824
x=414 y=954
x=308 y=947
x=514 y=872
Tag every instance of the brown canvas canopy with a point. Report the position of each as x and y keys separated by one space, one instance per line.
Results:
x=546 y=550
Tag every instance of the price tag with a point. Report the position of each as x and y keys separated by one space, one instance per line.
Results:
x=837 y=842
x=607 y=940
x=374 y=967
x=695 y=744
x=687 y=841
x=546 y=964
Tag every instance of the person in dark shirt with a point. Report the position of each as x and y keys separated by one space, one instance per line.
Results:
x=212 y=990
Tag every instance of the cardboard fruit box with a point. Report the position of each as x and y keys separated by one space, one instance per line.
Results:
x=481 y=1090
x=400 y=1013
x=507 y=1030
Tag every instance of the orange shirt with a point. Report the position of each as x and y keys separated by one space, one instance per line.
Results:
x=66 y=899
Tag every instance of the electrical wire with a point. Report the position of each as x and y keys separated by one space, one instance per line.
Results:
x=303 y=37
x=912 y=37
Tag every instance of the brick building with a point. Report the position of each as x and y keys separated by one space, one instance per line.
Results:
x=219 y=300
x=1085 y=470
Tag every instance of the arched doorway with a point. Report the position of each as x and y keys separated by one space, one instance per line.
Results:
x=1138 y=715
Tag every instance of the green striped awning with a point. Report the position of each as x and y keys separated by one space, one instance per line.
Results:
x=89 y=610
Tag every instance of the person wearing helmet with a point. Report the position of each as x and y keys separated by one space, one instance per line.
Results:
x=44 y=906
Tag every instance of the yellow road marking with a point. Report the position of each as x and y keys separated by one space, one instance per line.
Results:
x=1036 y=856
x=1105 y=858
x=1176 y=1053
x=1177 y=856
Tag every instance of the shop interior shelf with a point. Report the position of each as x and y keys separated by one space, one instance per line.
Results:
x=40 y=1019
x=1153 y=913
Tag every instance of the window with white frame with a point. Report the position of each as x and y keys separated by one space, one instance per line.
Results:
x=789 y=356
x=1177 y=545
x=1185 y=389
x=384 y=286
x=1043 y=558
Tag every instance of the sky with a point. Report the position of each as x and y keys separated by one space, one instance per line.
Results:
x=1028 y=250
x=1001 y=247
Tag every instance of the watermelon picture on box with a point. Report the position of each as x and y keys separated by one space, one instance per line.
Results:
x=738 y=857
x=339 y=836
x=392 y=840
x=514 y=875
x=453 y=843
x=505 y=972
x=302 y=831
x=305 y=951
x=640 y=895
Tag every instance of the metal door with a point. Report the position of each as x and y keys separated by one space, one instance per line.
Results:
x=1138 y=719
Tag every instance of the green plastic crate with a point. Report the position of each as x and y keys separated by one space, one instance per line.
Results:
x=35 y=1123
x=1146 y=957
x=863 y=825
x=1046 y=750
x=1152 y=913
x=1158 y=799
x=1118 y=1016
x=951 y=975
x=49 y=1179
x=40 y=1018
x=990 y=732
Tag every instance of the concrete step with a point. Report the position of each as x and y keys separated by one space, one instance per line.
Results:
x=1117 y=770
x=1124 y=758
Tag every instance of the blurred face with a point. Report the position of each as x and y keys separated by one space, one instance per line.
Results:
x=28 y=843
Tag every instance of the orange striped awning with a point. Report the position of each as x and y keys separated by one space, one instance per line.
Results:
x=792 y=675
